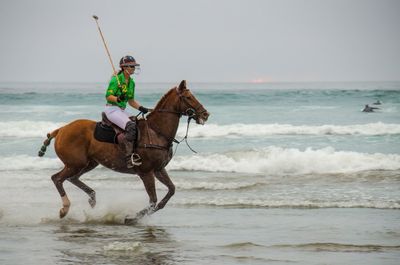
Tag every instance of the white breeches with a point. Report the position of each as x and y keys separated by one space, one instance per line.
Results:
x=118 y=116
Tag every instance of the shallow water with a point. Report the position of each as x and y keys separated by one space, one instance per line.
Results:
x=211 y=236
x=284 y=174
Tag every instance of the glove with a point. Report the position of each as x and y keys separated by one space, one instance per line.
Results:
x=143 y=109
x=121 y=98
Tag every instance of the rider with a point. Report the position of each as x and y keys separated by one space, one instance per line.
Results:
x=120 y=91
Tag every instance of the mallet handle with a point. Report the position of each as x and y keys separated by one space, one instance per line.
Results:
x=105 y=46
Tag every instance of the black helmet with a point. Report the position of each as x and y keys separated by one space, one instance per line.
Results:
x=127 y=60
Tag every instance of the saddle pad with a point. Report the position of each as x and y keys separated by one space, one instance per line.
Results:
x=105 y=133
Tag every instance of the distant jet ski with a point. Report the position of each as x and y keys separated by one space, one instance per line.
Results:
x=378 y=102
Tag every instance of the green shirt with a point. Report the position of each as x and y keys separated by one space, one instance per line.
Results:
x=115 y=90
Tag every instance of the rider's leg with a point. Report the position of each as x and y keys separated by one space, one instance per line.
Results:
x=130 y=137
x=120 y=118
x=117 y=116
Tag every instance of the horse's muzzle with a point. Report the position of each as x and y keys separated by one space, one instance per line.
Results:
x=202 y=117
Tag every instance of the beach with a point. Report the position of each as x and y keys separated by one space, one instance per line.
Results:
x=285 y=173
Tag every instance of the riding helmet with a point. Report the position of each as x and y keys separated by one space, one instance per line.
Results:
x=127 y=60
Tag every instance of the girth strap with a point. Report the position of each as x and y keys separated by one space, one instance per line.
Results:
x=155 y=146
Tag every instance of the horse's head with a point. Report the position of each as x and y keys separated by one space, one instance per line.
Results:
x=189 y=105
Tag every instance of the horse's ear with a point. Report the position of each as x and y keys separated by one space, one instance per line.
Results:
x=182 y=85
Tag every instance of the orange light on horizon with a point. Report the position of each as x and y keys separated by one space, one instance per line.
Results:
x=261 y=80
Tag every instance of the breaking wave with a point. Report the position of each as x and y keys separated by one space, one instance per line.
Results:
x=27 y=129
x=243 y=202
x=217 y=185
x=253 y=130
x=25 y=162
x=269 y=160
x=277 y=160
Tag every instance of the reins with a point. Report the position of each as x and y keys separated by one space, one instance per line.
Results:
x=169 y=140
x=190 y=112
x=184 y=138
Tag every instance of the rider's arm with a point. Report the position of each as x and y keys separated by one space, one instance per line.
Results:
x=137 y=106
x=134 y=104
x=112 y=98
x=112 y=90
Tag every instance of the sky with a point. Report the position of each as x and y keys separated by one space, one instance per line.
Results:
x=202 y=40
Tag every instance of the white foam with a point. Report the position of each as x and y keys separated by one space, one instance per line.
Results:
x=42 y=205
x=215 y=185
x=26 y=129
x=243 y=202
x=25 y=162
x=269 y=160
x=252 y=130
x=123 y=246
x=277 y=160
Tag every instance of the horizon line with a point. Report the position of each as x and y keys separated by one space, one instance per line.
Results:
x=201 y=82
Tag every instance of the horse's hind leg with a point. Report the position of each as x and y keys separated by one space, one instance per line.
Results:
x=58 y=180
x=77 y=182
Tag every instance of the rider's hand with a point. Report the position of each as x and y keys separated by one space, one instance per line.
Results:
x=143 y=109
x=121 y=98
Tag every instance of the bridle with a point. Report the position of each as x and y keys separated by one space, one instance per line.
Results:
x=191 y=112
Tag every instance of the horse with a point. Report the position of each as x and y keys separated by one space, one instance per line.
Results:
x=80 y=152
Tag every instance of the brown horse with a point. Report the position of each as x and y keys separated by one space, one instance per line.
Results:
x=81 y=152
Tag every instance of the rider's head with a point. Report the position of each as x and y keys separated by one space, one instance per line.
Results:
x=128 y=64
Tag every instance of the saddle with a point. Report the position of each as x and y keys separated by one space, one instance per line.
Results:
x=108 y=132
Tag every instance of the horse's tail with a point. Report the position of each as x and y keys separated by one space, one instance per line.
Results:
x=46 y=142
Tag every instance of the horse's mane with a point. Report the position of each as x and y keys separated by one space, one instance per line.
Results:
x=162 y=100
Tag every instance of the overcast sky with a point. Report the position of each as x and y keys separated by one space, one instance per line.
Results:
x=202 y=41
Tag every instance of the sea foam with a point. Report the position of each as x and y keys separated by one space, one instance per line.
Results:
x=277 y=160
x=27 y=129
x=254 y=130
x=243 y=202
x=25 y=162
x=269 y=160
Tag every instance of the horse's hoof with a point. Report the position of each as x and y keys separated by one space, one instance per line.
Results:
x=131 y=221
x=63 y=213
x=158 y=207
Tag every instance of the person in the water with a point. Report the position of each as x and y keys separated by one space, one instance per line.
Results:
x=367 y=108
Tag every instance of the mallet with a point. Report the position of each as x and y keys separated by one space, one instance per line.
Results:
x=96 y=18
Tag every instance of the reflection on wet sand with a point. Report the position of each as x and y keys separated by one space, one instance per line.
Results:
x=115 y=245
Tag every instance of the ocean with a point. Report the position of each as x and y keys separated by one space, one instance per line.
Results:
x=285 y=173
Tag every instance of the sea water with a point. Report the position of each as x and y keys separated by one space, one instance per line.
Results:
x=284 y=173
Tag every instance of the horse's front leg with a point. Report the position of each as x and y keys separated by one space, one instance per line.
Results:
x=149 y=184
x=163 y=177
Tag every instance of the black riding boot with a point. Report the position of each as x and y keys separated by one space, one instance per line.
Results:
x=130 y=136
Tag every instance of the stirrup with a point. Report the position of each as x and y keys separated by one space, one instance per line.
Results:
x=136 y=159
